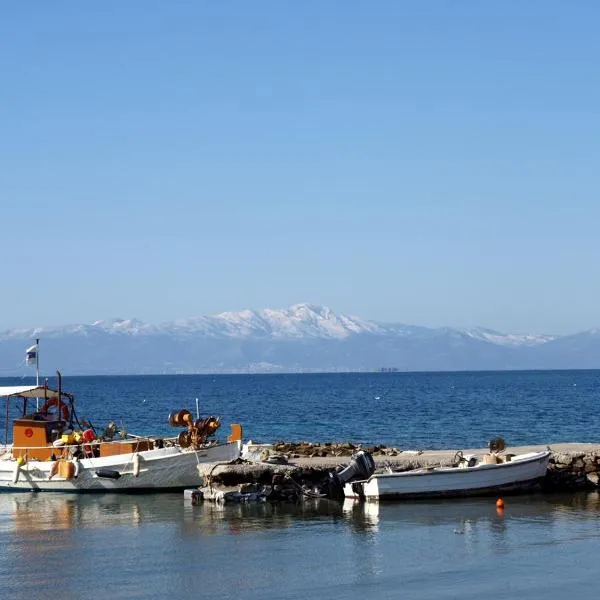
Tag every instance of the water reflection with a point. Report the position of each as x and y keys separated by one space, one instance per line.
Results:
x=175 y=549
x=363 y=517
x=25 y=513
x=240 y=518
x=478 y=521
x=29 y=512
x=543 y=508
x=39 y=512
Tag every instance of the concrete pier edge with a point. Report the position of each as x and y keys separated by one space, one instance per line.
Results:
x=573 y=466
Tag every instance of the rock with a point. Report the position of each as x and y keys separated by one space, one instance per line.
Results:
x=563 y=459
x=247 y=488
x=277 y=459
x=593 y=478
x=253 y=497
x=193 y=496
x=559 y=467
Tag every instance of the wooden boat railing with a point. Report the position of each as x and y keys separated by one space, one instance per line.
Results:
x=95 y=448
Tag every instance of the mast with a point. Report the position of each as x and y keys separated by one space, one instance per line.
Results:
x=37 y=362
x=37 y=371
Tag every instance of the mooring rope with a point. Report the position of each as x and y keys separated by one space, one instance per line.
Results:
x=302 y=490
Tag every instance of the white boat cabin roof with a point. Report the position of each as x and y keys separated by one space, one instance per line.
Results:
x=29 y=391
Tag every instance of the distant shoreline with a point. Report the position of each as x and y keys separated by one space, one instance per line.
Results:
x=304 y=372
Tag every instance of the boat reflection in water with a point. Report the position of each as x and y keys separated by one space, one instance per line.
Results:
x=241 y=518
x=157 y=546
x=39 y=512
x=22 y=513
x=478 y=518
x=451 y=511
x=362 y=516
x=48 y=512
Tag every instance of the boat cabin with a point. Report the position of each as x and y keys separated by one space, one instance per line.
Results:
x=45 y=415
x=48 y=427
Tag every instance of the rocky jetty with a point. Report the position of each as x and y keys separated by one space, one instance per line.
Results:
x=574 y=470
x=288 y=471
x=329 y=449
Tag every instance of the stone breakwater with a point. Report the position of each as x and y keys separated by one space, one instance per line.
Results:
x=329 y=449
x=573 y=471
x=288 y=471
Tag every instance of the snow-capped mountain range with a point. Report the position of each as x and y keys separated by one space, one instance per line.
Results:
x=296 y=322
x=303 y=337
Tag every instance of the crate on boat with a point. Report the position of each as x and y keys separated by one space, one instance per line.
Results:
x=114 y=448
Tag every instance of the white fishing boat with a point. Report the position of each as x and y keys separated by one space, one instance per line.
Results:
x=52 y=450
x=494 y=474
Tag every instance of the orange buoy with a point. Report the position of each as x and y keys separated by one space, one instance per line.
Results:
x=500 y=503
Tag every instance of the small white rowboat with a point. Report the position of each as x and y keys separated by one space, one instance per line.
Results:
x=519 y=473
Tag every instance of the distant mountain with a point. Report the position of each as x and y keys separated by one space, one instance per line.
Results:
x=298 y=321
x=303 y=337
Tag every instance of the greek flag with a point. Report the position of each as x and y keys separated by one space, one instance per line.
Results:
x=31 y=355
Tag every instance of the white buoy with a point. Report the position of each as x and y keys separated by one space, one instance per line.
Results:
x=77 y=466
x=136 y=464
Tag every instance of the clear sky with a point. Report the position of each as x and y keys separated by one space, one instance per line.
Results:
x=432 y=163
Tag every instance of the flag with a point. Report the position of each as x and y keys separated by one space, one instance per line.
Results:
x=31 y=355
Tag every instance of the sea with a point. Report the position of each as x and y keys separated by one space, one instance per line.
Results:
x=157 y=546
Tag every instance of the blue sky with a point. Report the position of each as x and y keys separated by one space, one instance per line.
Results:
x=429 y=163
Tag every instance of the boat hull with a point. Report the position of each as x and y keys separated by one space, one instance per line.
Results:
x=520 y=474
x=164 y=468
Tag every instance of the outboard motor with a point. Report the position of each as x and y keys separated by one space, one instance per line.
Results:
x=361 y=466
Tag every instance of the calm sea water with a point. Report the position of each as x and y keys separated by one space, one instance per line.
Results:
x=125 y=547
x=154 y=546
x=410 y=410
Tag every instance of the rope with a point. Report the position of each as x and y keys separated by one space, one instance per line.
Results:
x=208 y=477
x=302 y=490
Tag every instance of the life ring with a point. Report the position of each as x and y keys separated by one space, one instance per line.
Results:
x=63 y=408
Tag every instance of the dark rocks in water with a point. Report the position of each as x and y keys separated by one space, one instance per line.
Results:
x=284 y=483
x=280 y=492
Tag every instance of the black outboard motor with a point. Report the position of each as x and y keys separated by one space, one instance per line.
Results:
x=361 y=466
